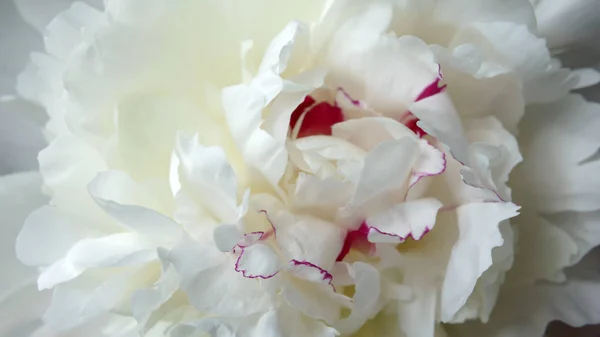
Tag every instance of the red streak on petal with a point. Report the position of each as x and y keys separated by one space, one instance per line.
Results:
x=432 y=89
x=308 y=101
x=412 y=125
x=357 y=239
x=318 y=120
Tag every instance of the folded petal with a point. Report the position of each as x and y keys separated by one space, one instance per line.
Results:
x=471 y=255
x=409 y=219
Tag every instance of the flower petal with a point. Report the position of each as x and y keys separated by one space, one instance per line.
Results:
x=472 y=253
x=207 y=176
x=542 y=79
x=33 y=246
x=226 y=237
x=19 y=195
x=84 y=299
x=409 y=219
x=145 y=301
x=211 y=283
x=243 y=109
x=366 y=299
x=39 y=13
x=559 y=141
x=258 y=261
x=438 y=117
x=574 y=302
x=386 y=170
x=112 y=250
x=576 y=19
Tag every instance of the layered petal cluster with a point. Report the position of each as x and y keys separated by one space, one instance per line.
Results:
x=268 y=168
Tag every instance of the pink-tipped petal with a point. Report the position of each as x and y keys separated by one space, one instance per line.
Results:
x=250 y=238
x=343 y=98
x=410 y=219
x=258 y=261
x=309 y=271
x=430 y=162
x=433 y=88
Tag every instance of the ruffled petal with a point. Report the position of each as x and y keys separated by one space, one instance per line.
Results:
x=525 y=311
x=258 y=261
x=502 y=44
x=471 y=255
x=19 y=195
x=409 y=219
x=566 y=24
x=212 y=284
x=559 y=142
x=145 y=301
x=39 y=13
x=206 y=175
x=385 y=171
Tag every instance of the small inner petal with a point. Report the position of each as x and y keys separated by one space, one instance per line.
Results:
x=316 y=119
x=356 y=239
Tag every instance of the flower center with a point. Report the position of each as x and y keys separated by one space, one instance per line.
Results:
x=315 y=118
x=356 y=239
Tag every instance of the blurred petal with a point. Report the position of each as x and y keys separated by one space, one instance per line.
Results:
x=559 y=142
x=17 y=40
x=566 y=23
x=524 y=311
x=21 y=136
x=20 y=123
x=19 y=195
x=38 y=13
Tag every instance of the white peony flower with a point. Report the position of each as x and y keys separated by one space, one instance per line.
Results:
x=307 y=168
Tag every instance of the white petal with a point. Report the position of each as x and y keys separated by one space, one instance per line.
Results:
x=500 y=154
x=430 y=162
x=243 y=109
x=20 y=135
x=370 y=131
x=112 y=250
x=74 y=304
x=306 y=238
x=417 y=317
x=145 y=301
x=211 y=283
x=459 y=11
x=574 y=302
x=70 y=163
x=68 y=30
x=561 y=136
x=315 y=301
x=586 y=77
x=565 y=24
x=39 y=13
x=143 y=221
x=439 y=118
x=226 y=237
x=207 y=176
x=19 y=195
x=412 y=218
x=478 y=89
x=293 y=93
x=18 y=38
x=366 y=297
x=321 y=196
x=33 y=246
x=120 y=187
x=542 y=80
x=386 y=169
x=258 y=261
x=472 y=252
x=309 y=272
